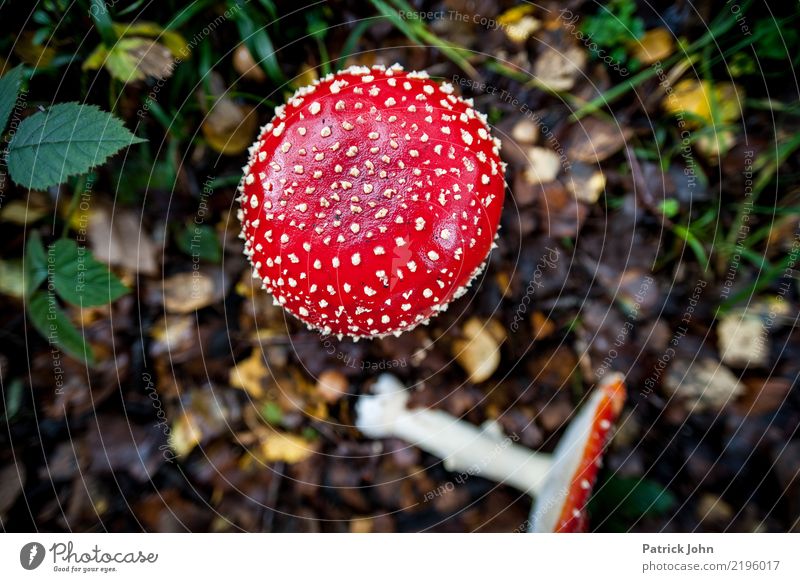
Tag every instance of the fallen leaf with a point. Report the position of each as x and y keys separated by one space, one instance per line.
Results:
x=592 y=140
x=32 y=53
x=249 y=375
x=119 y=445
x=246 y=66
x=188 y=292
x=543 y=165
x=285 y=447
x=557 y=69
x=561 y=212
x=202 y=416
x=655 y=45
x=118 y=238
x=132 y=59
x=332 y=385
x=518 y=23
x=25 y=211
x=715 y=145
x=11 y=277
x=525 y=132
x=478 y=351
x=173 y=335
x=541 y=326
x=173 y=40
x=703 y=383
x=743 y=340
x=586 y=182
x=695 y=98
x=227 y=126
x=12 y=479
x=763 y=395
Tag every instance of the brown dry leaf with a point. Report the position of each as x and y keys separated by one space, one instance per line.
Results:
x=118 y=238
x=561 y=213
x=32 y=54
x=763 y=395
x=332 y=385
x=558 y=69
x=12 y=479
x=188 y=292
x=743 y=340
x=119 y=445
x=593 y=140
x=203 y=415
x=586 y=182
x=479 y=350
x=704 y=384
x=285 y=447
x=153 y=59
x=541 y=325
x=173 y=334
x=655 y=45
x=246 y=66
x=695 y=98
x=249 y=375
x=228 y=127
x=543 y=165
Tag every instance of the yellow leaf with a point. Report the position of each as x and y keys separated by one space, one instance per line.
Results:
x=96 y=59
x=11 y=278
x=185 y=435
x=514 y=14
x=695 y=99
x=284 y=447
x=169 y=38
x=715 y=145
x=249 y=375
x=656 y=44
x=22 y=212
x=518 y=24
x=33 y=54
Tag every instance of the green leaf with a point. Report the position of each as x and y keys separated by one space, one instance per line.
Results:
x=35 y=263
x=54 y=325
x=622 y=501
x=272 y=413
x=66 y=140
x=9 y=89
x=669 y=207
x=200 y=240
x=12 y=398
x=81 y=279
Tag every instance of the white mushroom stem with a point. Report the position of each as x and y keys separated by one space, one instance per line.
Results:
x=462 y=446
x=561 y=482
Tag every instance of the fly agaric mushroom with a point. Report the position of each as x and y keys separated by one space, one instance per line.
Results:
x=371 y=201
x=561 y=483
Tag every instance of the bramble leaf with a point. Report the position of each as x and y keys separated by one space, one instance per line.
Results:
x=66 y=140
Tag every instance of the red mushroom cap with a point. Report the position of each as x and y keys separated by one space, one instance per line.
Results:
x=561 y=504
x=371 y=201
